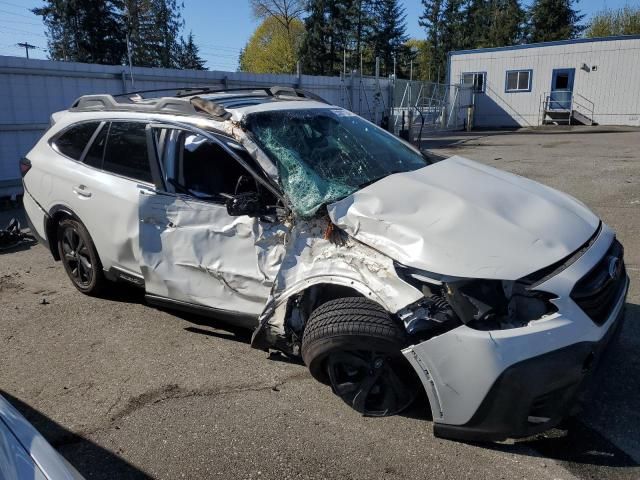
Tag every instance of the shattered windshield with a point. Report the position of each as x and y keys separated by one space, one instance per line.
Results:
x=323 y=155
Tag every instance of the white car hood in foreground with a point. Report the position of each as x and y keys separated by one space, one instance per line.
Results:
x=464 y=219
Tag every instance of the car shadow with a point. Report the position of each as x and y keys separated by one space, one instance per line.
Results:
x=89 y=458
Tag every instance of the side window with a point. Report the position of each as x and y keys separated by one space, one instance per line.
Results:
x=202 y=168
x=96 y=151
x=126 y=151
x=475 y=80
x=518 y=81
x=72 y=142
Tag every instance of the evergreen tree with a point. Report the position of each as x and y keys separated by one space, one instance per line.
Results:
x=554 y=20
x=88 y=31
x=314 y=52
x=432 y=21
x=188 y=57
x=154 y=32
x=329 y=33
x=492 y=23
x=388 y=37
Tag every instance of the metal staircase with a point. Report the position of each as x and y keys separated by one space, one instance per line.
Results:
x=565 y=108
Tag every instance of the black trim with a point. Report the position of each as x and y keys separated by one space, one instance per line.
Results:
x=230 y=316
x=546 y=386
x=114 y=274
x=540 y=276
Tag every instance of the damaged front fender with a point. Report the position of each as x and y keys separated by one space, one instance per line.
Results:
x=312 y=259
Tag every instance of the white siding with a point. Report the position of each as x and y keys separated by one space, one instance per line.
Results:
x=614 y=87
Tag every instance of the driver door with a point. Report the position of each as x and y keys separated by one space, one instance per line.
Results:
x=193 y=253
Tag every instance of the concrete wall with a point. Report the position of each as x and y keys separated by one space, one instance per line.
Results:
x=31 y=90
x=613 y=87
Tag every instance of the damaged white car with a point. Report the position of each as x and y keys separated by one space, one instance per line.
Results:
x=339 y=243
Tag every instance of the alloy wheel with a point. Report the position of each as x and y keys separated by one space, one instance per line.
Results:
x=372 y=383
x=77 y=257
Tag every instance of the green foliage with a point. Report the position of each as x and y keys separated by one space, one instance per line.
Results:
x=387 y=38
x=623 y=21
x=84 y=30
x=155 y=27
x=96 y=31
x=273 y=47
x=420 y=53
x=554 y=20
x=188 y=55
x=365 y=29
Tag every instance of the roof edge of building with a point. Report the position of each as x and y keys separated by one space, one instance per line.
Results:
x=546 y=44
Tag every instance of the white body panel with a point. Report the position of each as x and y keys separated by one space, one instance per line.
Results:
x=611 y=86
x=464 y=219
x=464 y=363
x=194 y=252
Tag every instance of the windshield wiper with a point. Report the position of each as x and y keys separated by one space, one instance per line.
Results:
x=369 y=182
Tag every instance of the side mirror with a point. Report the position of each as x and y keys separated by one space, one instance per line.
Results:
x=246 y=203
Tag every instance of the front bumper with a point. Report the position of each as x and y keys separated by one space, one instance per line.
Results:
x=491 y=385
x=533 y=395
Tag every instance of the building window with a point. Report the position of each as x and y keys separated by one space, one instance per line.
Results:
x=518 y=81
x=475 y=80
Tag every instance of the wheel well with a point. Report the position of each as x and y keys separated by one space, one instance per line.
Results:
x=51 y=227
x=301 y=306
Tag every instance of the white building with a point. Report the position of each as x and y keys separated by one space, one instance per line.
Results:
x=579 y=81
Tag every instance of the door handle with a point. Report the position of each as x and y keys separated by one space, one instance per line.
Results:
x=81 y=190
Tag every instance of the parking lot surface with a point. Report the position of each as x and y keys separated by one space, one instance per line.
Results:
x=124 y=390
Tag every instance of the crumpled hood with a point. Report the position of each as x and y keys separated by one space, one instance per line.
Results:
x=465 y=219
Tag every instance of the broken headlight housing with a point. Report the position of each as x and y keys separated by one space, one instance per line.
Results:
x=478 y=303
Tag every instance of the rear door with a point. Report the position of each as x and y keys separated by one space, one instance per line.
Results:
x=193 y=252
x=115 y=169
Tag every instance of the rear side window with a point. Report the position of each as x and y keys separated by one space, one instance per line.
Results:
x=72 y=142
x=126 y=151
x=96 y=151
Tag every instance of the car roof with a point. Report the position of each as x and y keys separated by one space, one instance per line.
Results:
x=216 y=104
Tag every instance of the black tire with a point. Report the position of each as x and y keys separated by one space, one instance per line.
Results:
x=80 y=258
x=354 y=345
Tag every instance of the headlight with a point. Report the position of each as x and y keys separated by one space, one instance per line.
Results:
x=479 y=303
x=497 y=304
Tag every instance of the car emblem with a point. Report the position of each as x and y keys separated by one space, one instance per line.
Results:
x=614 y=263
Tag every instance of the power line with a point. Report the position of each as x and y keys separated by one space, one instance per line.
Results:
x=17 y=14
x=14 y=5
x=24 y=32
x=12 y=21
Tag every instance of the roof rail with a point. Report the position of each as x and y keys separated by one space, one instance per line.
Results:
x=172 y=105
x=273 y=91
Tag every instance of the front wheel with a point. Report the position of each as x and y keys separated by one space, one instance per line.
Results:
x=354 y=345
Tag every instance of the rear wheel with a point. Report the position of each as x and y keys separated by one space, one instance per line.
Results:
x=354 y=345
x=79 y=257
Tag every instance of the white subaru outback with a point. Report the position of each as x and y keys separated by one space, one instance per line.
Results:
x=340 y=243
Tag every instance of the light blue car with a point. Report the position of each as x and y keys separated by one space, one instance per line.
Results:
x=25 y=454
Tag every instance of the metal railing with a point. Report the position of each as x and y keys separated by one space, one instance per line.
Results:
x=422 y=106
x=565 y=101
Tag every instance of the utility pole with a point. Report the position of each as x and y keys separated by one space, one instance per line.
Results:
x=27 y=46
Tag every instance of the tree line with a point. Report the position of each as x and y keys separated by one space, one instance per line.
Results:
x=328 y=37
x=323 y=37
x=147 y=32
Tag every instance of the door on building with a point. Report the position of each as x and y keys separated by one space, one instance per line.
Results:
x=561 y=88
